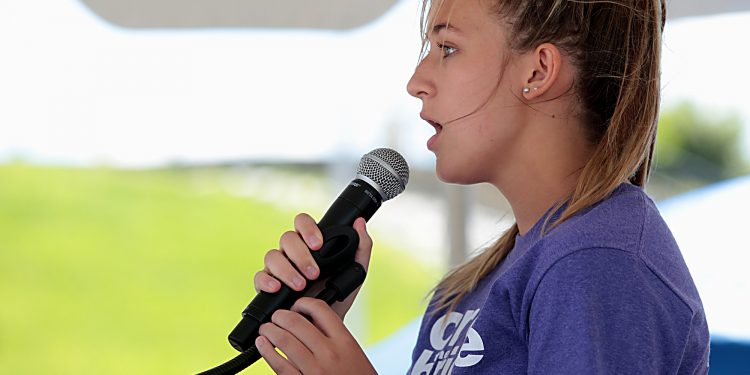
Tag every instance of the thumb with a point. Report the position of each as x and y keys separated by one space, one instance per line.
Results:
x=362 y=256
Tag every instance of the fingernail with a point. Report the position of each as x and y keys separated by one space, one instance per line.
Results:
x=273 y=284
x=258 y=341
x=298 y=282
x=312 y=272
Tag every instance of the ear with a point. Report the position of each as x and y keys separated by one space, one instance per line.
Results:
x=544 y=68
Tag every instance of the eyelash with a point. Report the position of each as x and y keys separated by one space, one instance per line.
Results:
x=443 y=48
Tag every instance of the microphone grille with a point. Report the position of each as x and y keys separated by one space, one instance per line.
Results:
x=387 y=169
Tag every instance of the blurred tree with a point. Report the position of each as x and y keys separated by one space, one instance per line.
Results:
x=698 y=145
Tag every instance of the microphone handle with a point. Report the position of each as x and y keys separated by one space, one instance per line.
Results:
x=339 y=245
x=359 y=199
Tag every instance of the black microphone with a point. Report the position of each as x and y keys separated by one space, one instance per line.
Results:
x=382 y=174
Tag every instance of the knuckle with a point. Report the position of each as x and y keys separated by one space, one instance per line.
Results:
x=366 y=241
x=278 y=337
x=309 y=301
x=263 y=330
x=313 y=304
x=281 y=318
x=286 y=237
x=270 y=256
x=258 y=279
x=328 y=355
x=261 y=275
x=302 y=218
x=305 y=224
x=281 y=340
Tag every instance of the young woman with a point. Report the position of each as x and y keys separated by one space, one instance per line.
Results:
x=553 y=102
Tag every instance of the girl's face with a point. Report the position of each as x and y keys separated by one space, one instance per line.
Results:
x=470 y=89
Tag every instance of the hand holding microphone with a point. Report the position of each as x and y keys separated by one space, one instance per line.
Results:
x=293 y=265
x=335 y=250
x=381 y=175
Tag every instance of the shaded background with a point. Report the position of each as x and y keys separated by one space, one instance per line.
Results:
x=152 y=151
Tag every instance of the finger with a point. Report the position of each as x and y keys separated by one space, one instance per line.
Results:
x=300 y=327
x=265 y=282
x=364 y=250
x=299 y=254
x=278 y=363
x=322 y=316
x=308 y=229
x=283 y=270
x=341 y=308
x=296 y=352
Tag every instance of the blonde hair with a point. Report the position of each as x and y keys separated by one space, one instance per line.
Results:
x=616 y=48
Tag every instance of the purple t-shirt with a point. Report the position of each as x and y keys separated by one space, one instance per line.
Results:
x=605 y=292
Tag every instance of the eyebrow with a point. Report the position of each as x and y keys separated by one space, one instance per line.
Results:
x=444 y=26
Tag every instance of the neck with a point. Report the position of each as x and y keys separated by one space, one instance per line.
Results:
x=544 y=172
x=530 y=201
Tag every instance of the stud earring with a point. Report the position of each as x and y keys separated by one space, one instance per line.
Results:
x=526 y=90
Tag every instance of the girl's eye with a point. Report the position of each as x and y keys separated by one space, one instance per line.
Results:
x=447 y=50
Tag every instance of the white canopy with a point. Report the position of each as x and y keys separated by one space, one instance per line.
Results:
x=319 y=14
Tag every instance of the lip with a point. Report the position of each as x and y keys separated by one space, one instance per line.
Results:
x=436 y=125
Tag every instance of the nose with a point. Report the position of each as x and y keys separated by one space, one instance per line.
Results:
x=419 y=85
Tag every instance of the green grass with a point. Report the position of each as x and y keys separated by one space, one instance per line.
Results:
x=142 y=272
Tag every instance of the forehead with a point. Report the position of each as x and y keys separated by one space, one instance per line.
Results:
x=460 y=15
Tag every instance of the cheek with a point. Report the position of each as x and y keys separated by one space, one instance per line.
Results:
x=494 y=143
x=473 y=93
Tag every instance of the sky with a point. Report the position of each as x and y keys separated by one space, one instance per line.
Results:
x=76 y=90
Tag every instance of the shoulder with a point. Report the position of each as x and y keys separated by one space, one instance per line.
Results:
x=616 y=222
x=619 y=244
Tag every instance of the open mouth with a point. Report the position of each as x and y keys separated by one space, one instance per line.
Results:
x=433 y=139
x=435 y=125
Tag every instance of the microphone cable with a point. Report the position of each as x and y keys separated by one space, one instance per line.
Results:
x=236 y=364
x=337 y=288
